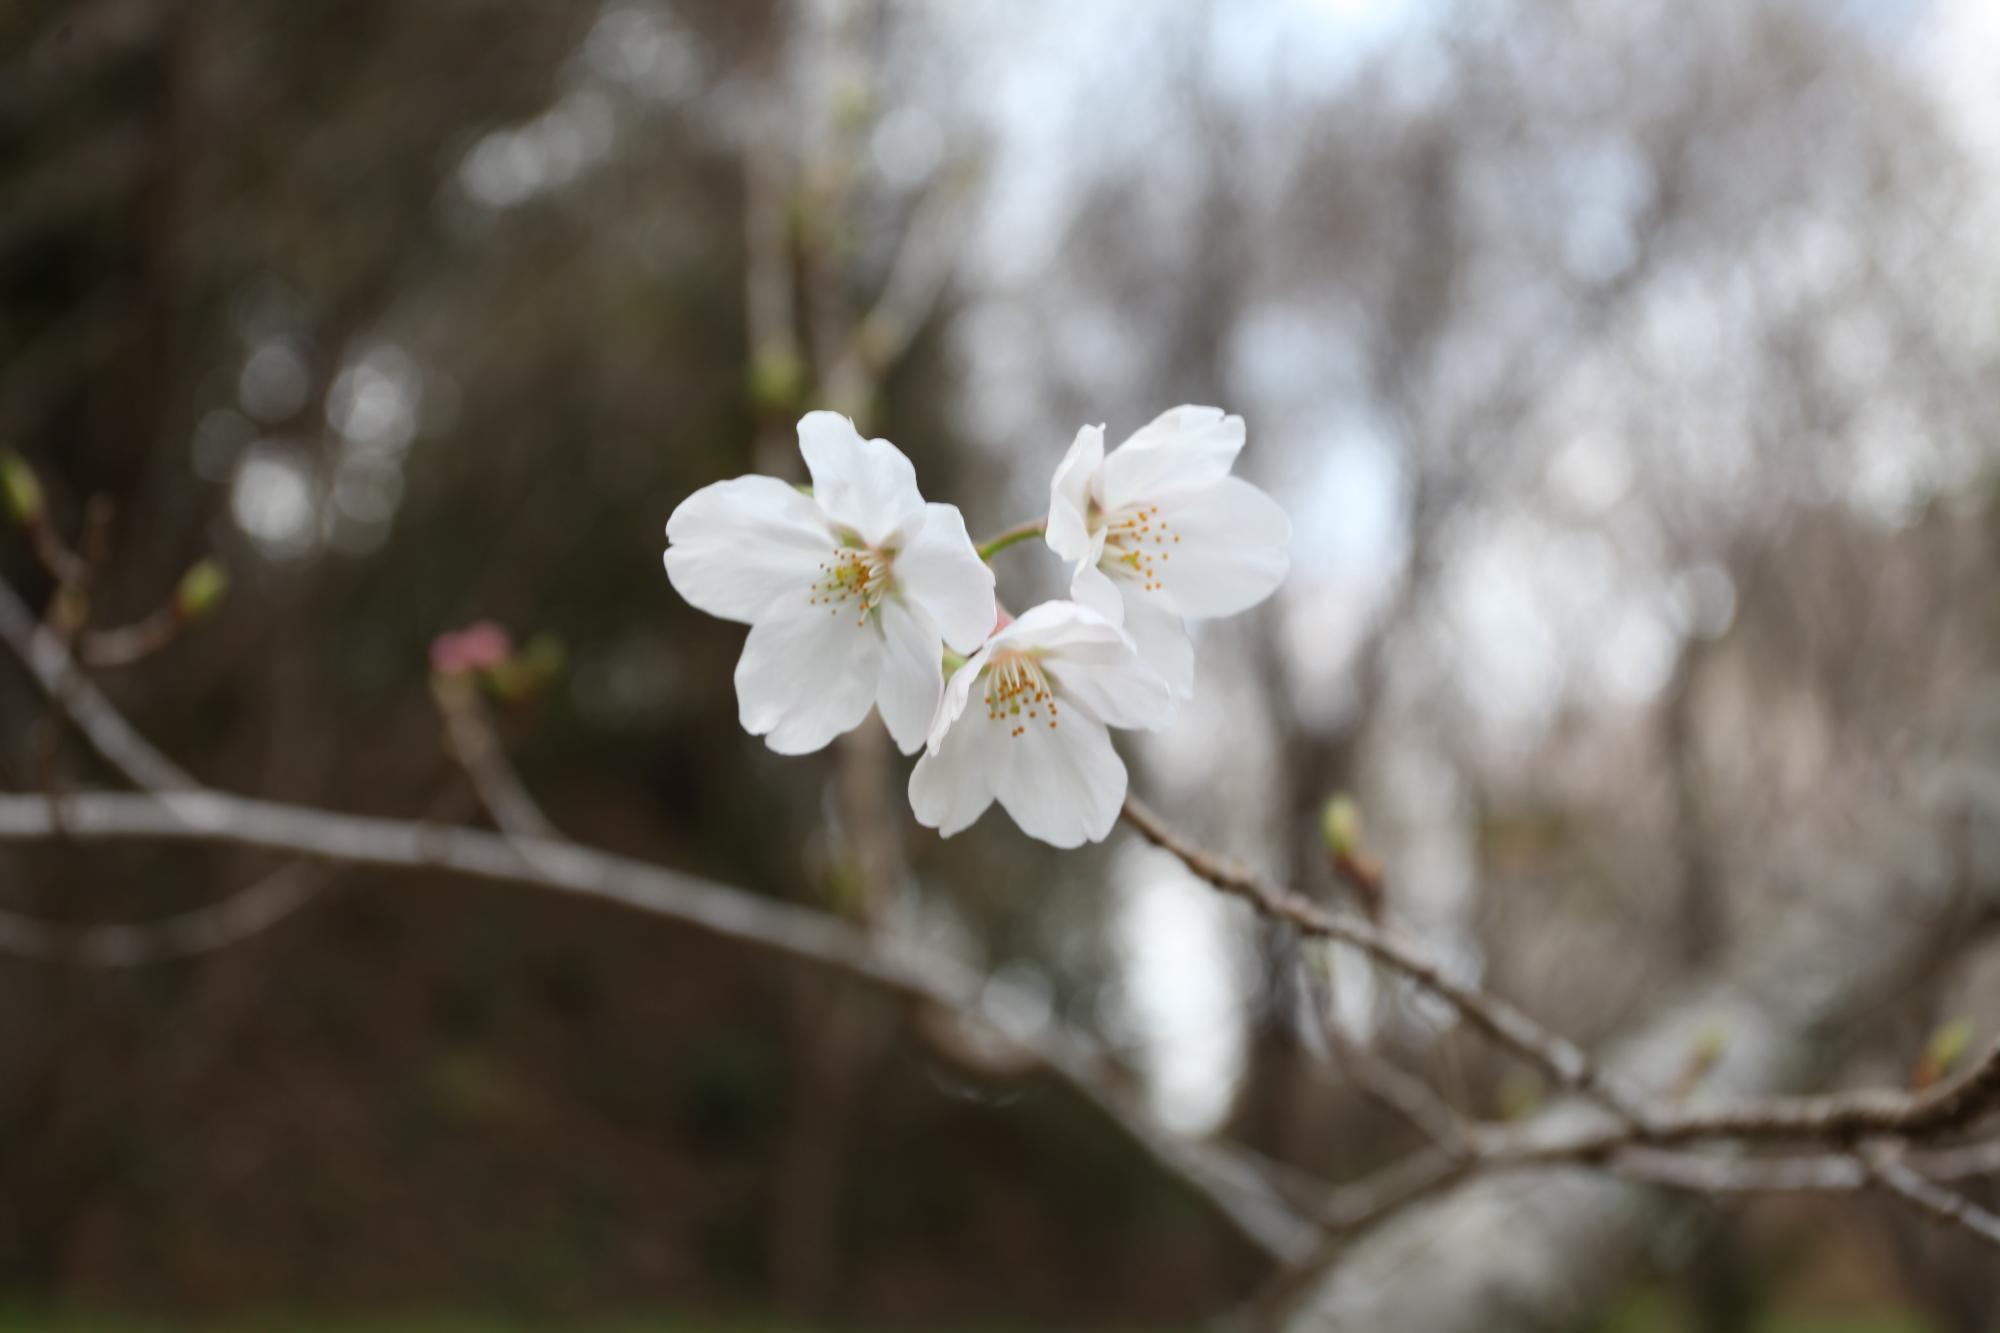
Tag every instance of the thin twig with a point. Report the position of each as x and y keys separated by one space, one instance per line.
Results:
x=207 y=929
x=1834 y=1117
x=924 y=261
x=1840 y=1118
x=101 y=724
x=1561 y=1059
x=1930 y=1198
x=476 y=746
x=124 y=645
x=1406 y=1096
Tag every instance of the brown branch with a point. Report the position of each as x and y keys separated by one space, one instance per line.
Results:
x=1231 y=1180
x=1408 y=1097
x=42 y=652
x=1832 y=1172
x=474 y=744
x=1228 y=1180
x=1841 y=1118
x=1561 y=1059
x=920 y=272
x=1869 y=1113
x=240 y=916
x=1930 y=1198
x=127 y=645
x=1835 y=1118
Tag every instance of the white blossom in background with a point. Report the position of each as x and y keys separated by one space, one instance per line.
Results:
x=1160 y=533
x=1052 y=682
x=850 y=592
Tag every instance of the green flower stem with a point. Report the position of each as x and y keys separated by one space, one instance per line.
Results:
x=1008 y=538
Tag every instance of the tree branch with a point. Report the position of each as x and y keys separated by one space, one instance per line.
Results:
x=101 y=724
x=1561 y=1059
x=236 y=918
x=1930 y=1198
x=1228 y=1180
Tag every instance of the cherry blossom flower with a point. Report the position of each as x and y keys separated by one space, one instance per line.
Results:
x=1050 y=683
x=1160 y=533
x=850 y=592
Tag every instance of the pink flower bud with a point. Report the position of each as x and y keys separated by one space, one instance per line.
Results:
x=478 y=647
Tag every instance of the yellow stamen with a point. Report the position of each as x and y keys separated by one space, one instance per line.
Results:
x=1126 y=550
x=854 y=578
x=1014 y=679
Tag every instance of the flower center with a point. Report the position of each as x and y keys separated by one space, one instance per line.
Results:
x=1017 y=691
x=1135 y=542
x=854 y=579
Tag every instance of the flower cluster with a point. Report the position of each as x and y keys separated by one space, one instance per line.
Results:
x=855 y=588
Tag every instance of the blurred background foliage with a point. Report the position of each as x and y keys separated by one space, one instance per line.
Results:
x=1627 y=370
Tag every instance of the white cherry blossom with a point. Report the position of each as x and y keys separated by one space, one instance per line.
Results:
x=1049 y=684
x=850 y=592
x=1160 y=533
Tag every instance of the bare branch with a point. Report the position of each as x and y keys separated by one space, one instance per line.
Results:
x=101 y=724
x=1835 y=1118
x=243 y=914
x=1930 y=1198
x=469 y=730
x=924 y=262
x=128 y=645
x=1406 y=1096
x=1230 y=1181
x=1561 y=1059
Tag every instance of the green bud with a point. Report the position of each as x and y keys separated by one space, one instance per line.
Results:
x=1948 y=1045
x=1711 y=1043
x=1340 y=825
x=71 y=608
x=846 y=891
x=777 y=378
x=201 y=590
x=528 y=672
x=23 y=489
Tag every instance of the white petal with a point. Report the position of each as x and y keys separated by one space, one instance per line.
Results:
x=1068 y=530
x=1234 y=549
x=746 y=548
x=957 y=692
x=1062 y=784
x=1067 y=627
x=804 y=679
x=1118 y=686
x=1179 y=450
x=1093 y=588
x=941 y=571
x=866 y=485
x=1161 y=637
x=912 y=674
x=952 y=784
